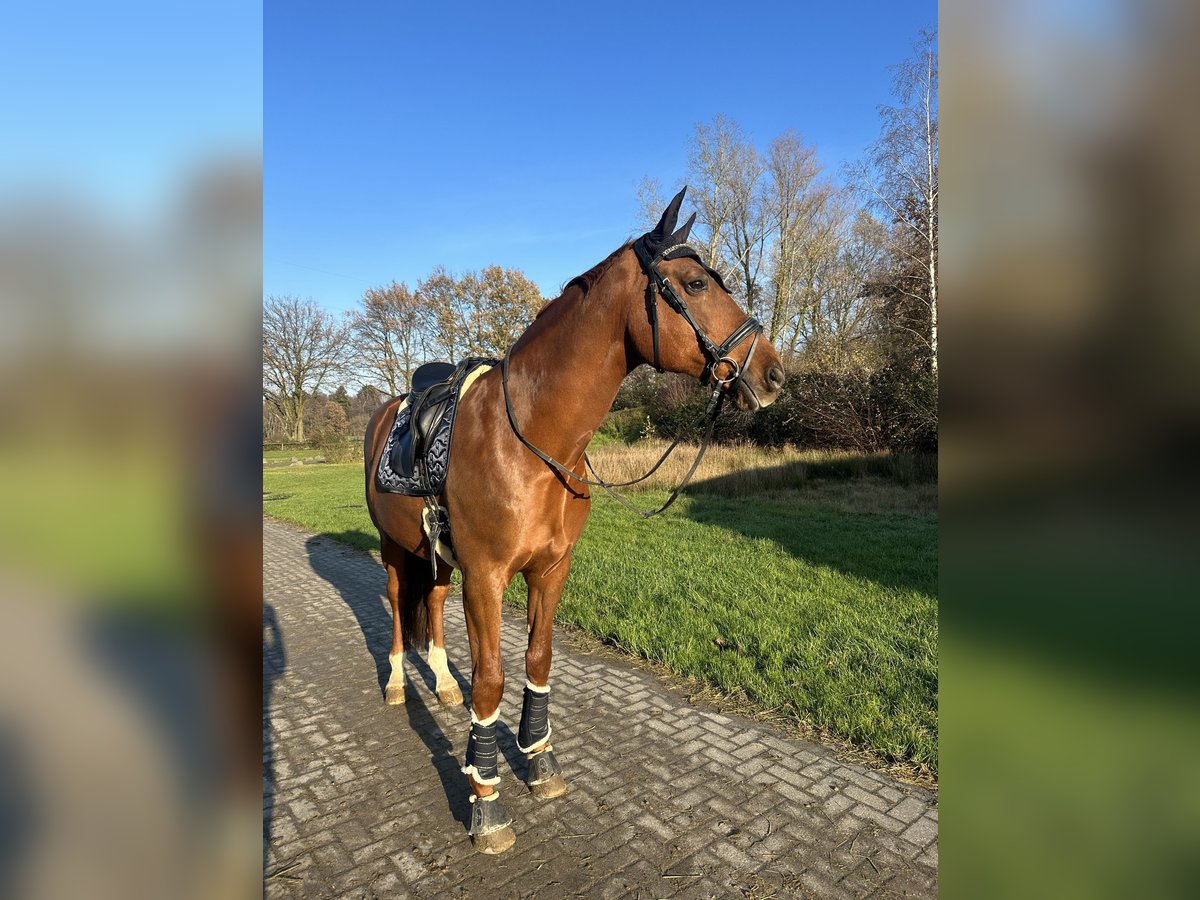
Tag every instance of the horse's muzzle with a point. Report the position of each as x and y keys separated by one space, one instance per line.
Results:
x=752 y=394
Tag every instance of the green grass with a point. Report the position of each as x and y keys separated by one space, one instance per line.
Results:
x=799 y=599
x=327 y=499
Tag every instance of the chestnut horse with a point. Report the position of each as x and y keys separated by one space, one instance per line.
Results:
x=510 y=511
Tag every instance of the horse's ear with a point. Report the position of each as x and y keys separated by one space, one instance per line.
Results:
x=681 y=236
x=670 y=216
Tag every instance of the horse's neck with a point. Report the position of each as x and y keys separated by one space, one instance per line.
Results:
x=565 y=372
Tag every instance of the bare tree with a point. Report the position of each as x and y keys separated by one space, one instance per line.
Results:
x=651 y=202
x=791 y=203
x=390 y=332
x=724 y=171
x=900 y=174
x=303 y=347
x=845 y=329
x=818 y=243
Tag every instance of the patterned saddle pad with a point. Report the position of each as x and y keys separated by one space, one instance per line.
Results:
x=416 y=455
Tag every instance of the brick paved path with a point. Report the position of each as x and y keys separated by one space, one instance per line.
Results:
x=366 y=800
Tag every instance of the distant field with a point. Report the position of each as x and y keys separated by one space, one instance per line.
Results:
x=810 y=587
x=289 y=454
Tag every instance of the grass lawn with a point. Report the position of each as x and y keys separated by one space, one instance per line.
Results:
x=818 y=602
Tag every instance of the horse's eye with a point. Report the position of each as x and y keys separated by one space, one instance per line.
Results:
x=696 y=284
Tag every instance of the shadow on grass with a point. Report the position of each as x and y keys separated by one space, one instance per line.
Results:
x=897 y=551
x=900 y=469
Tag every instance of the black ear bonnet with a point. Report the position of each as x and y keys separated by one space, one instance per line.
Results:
x=664 y=241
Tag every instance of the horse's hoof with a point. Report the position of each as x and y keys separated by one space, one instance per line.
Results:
x=552 y=787
x=544 y=777
x=394 y=695
x=491 y=825
x=450 y=696
x=495 y=841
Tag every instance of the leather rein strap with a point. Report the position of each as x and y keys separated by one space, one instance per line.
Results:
x=716 y=354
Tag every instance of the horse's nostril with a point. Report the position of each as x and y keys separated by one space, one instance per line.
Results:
x=775 y=377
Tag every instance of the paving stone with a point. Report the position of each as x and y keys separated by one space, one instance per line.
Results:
x=921 y=832
x=837 y=804
x=908 y=809
x=368 y=800
x=884 y=821
x=867 y=797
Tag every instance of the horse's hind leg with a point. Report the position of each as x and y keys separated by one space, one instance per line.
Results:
x=446 y=688
x=533 y=738
x=394 y=562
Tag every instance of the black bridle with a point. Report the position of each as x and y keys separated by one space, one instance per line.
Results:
x=715 y=356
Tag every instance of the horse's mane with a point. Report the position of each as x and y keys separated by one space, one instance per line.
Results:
x=588 y=279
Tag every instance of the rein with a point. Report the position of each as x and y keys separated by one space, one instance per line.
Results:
x=716 y=354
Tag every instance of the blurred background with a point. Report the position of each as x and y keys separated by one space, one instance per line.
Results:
x=130 y=553
x=1068 y=438
x=130 y=293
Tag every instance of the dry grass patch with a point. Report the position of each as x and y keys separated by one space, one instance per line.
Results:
x=848 y=480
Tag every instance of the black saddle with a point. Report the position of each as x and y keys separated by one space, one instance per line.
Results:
x=428 y=375
x=416 y=456
x=432 y=386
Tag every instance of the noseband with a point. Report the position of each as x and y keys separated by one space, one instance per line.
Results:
x=715 y=356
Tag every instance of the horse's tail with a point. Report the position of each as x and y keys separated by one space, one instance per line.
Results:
x=418 y=582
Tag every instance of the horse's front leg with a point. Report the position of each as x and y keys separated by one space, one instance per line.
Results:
x=533 y=738
x=491 y=825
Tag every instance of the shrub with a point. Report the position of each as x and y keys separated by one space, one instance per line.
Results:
x=337 y=449
x=624 y=425
x=910 y=401
x=858 y=407
x=638 y=389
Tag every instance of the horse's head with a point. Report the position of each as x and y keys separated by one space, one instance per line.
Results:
x=690 y=324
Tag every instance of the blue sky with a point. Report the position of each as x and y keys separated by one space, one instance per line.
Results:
x=113 y=103
x=400 y=136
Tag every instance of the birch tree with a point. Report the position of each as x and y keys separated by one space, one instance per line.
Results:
x=900 y=178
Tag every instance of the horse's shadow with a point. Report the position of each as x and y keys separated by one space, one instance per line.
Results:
x=370 y=609
x=274 y=664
